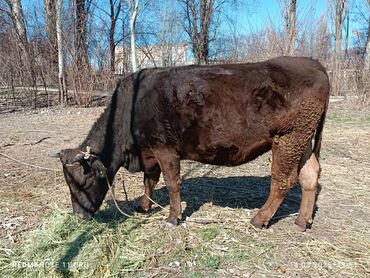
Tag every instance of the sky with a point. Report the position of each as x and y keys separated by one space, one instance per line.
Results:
x=253 y=15
x=271 y=8
x=258 y=14
x=254 y=12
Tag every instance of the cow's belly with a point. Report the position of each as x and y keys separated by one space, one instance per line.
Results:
x=232 y=154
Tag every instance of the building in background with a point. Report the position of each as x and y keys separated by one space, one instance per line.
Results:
x=152 y=56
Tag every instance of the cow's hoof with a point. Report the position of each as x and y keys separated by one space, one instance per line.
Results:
x=172 y=223
x=258 y=222
x=302 y=224
x=139 y=209
x=169 y=226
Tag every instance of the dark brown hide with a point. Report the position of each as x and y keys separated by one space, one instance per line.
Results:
x=222 y=115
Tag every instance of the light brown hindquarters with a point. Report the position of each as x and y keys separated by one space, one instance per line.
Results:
x=309 y=171
x=291 y=143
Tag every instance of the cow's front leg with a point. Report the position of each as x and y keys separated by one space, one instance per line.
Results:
x=169 y=161
x=151 y=178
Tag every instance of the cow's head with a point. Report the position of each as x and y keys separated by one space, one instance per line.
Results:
x=86 y=177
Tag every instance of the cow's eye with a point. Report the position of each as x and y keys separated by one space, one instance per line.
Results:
x=86 y=168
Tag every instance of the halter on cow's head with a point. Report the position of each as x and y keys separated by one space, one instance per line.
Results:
x=86 y=177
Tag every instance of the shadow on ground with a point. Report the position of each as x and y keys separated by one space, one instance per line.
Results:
x=247 y=192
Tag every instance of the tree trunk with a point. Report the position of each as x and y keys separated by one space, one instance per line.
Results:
x=134 y=6
x=164 y=45
x=112 y=44
x=194 y=29
x=12 y=84
x=366 y=69
x=112 y=50
x=80 y=36
x=291 y=26
x=27 y=56
x=346 y=16
x=50 y=16
x=61 y=72
x=206 y=13
x=18 y=20
x=338 y=44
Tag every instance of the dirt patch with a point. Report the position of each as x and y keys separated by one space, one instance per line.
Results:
x=29 y=193
x=218 y=201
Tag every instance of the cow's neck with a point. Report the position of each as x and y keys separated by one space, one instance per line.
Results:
x=111 y=137
x=103 y=141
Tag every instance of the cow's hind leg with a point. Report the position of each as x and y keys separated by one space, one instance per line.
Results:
x=169 y=161
x=308 y=178
x=284 y=175
x=151 y=178
x=288 y=148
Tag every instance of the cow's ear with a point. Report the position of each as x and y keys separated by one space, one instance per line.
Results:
x=55 y=155
x=78 y=158
x=99 y=169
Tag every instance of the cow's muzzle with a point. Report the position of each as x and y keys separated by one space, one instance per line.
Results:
x=84 y=215
x=81 y=212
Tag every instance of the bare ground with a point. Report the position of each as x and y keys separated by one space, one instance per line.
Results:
x=218 y=201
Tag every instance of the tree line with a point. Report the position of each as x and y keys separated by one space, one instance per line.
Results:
x=70 y=46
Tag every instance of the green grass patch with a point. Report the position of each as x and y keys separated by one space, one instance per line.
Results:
x=5 y=92
x=195 y=274
x=213 y=262
x=208 y=233
x=68 y=246
x=111 y=246
x=347 y=119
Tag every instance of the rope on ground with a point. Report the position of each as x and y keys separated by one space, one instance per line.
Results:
x=154 y=202
x=124 y=213
x=28 y=164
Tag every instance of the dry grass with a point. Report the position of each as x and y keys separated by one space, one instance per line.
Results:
x=215 y=239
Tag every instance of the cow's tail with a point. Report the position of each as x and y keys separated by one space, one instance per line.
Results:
x=318 y=135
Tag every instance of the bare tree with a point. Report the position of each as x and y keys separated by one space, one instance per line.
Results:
x=61 y=72
x=81 y=13
x=321 y=45
x=338 y=28
x=199 y=17
x=114 y=12
x=366 y=70
x=170 y=36
x=165 y=34
x=50 y=16
x=290 y=25
x=26 y=51
x=347 y=20
x=339 y=8
x=134 y=8
x=18 y=21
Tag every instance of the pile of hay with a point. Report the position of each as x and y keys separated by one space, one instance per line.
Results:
x=66 y=244
x=111 y=245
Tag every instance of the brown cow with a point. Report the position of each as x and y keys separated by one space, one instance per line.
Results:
x=221 y=115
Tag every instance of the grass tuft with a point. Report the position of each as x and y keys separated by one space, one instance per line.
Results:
x=67 y=245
